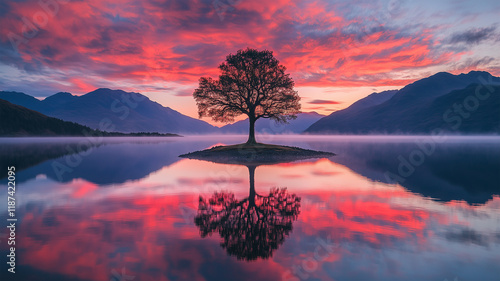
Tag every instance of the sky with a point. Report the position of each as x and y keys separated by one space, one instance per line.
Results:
x=336 y=51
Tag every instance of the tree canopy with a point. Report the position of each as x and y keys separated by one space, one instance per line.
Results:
x=253 y=83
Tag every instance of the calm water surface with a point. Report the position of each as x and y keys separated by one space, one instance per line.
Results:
x=383 y=208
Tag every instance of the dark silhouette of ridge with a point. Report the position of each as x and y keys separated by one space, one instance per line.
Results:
x=127 y=111
x=16 y=120
x=421 y=107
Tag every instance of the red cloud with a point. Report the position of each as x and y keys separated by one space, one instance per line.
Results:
x=150 y=41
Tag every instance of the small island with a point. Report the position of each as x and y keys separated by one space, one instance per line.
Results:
x=255 y=84
x=255 y=154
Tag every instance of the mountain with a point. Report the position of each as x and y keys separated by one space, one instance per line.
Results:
x=371 y=100
x=126 y=111
x=344 y=115
x=16 y=120
x=268 y=126
x=58 y=99
x=421 y=107
x=21 y=99
x=484 y=119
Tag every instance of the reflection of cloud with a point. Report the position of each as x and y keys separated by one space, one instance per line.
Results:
x=206 y=181
x=293 y=176
x=84 y=189
x=152 y=234
x=379 y=227
x=325 y=173
x=467 y=235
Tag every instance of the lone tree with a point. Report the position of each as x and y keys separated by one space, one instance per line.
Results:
x=251 y=82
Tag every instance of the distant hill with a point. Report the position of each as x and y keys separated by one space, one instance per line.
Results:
x=128 y=112
x=16 y=120
x=268 y=126
x=420 y=107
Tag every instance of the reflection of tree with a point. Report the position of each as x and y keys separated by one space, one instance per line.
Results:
x=250 y=228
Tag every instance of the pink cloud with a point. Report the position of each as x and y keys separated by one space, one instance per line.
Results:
x=180 y=41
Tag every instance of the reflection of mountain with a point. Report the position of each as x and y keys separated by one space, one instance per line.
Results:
x=251 y=228
x=353 y=233
x=467 y=171
x=456 y=170
x=25 y=155
x=109 y=163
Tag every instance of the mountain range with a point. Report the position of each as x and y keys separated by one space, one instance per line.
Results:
x=125 y=111
x=19 y=121
x=268 y=126
x=132 y=112
x=465 y=103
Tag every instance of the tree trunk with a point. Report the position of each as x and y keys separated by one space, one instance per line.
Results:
x=251 y=133
x=252 y=194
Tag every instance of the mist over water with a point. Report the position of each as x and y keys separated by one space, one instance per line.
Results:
x=383 y=208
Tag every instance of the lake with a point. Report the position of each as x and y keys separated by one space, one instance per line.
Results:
x=384 y=208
